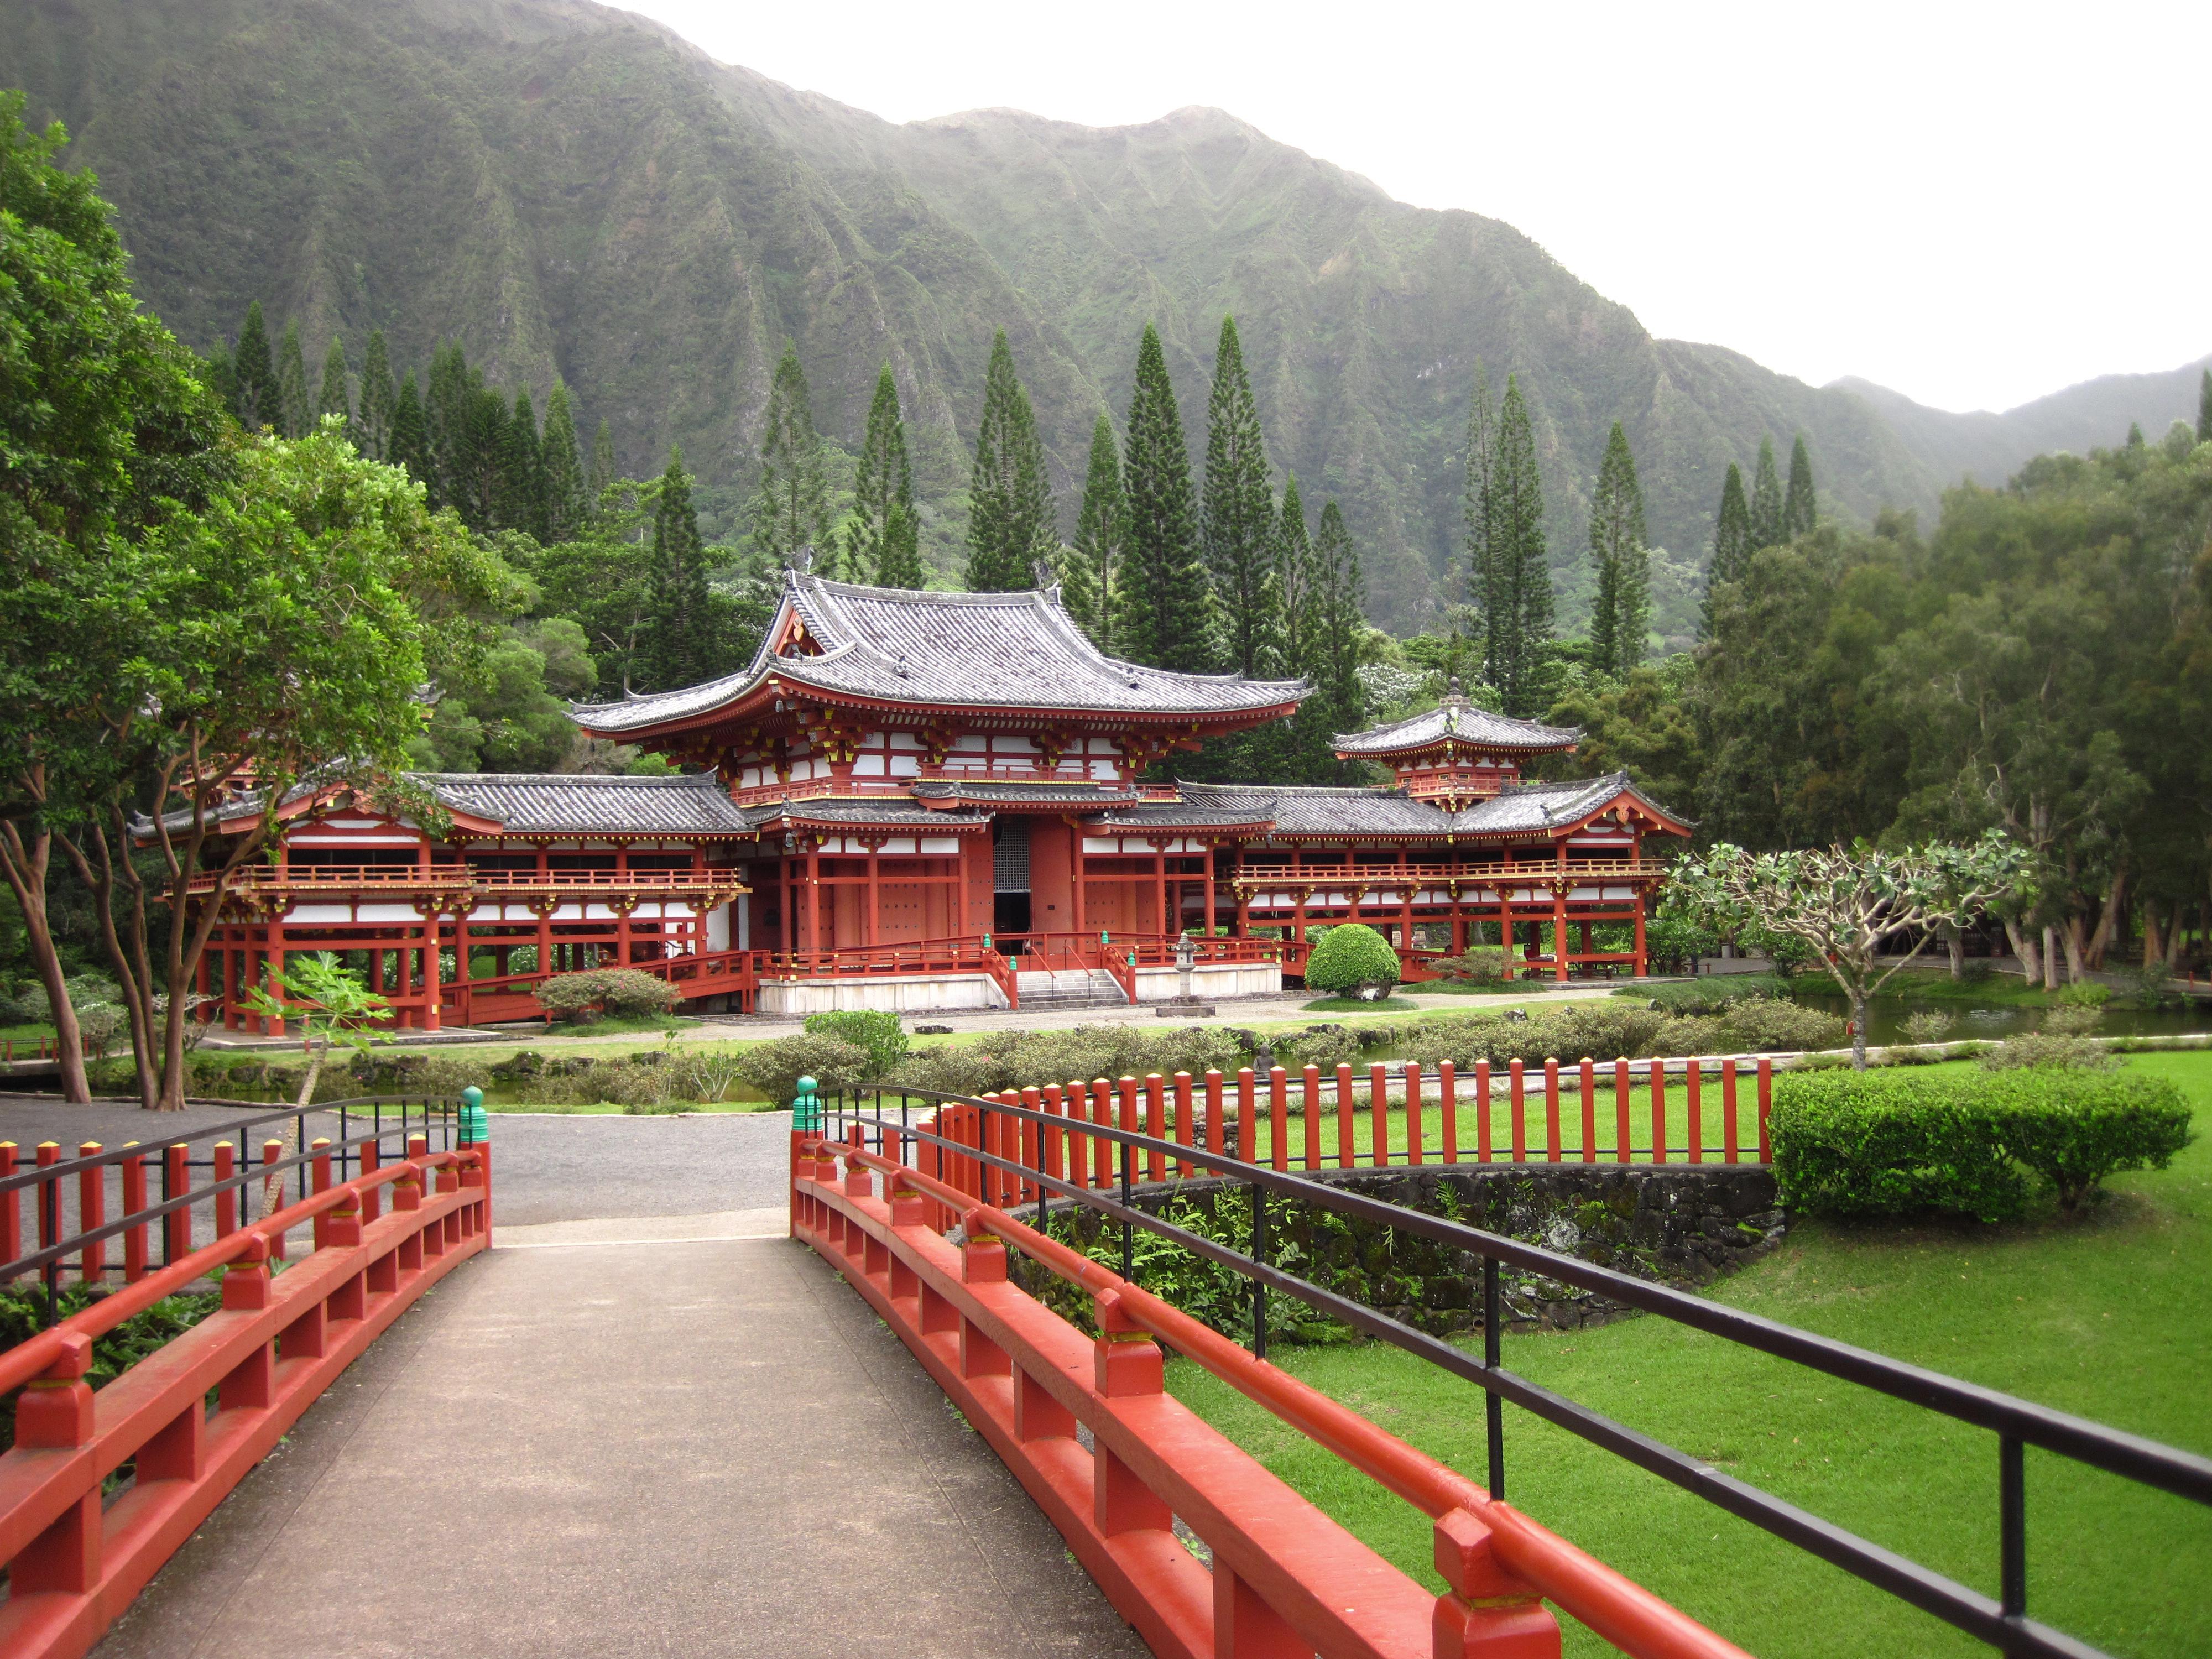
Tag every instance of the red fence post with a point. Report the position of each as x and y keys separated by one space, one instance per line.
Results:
x=273 y=1192
x=1485 y=1610
x=91 y=1212
x=1552 y=1109
x=1101 y=1150
x=177 y=1226
x=1413 y=1126
x=1622 y=1151
x=1517 y=1105
x=1213 y=1110
x=1658 y=1111
x=1309 y=1083
x=11 y=1207
x=1482 y=1111
x=1448 y=1105
x=1182 y=1124
x=1589 y=1081
x=1693 y=1076
x=1055 y=1137
x=134 y=1201
x=1378 y=1114
x=226 y=1202
x=55 y=1412
x=1156 y=1124
x=1765 y=1109
x=1728 y=1110
x=1247 y=1115
x=1279 y=1117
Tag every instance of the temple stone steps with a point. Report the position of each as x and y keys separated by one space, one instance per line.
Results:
x=1070 y=988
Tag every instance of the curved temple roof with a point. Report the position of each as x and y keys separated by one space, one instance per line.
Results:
x=1456 y=721
x=1019 y=650
x=1323 y=814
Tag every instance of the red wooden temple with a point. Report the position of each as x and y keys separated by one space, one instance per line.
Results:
x=925 y=802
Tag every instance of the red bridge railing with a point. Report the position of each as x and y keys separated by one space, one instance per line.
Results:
x=75 y=1561
x=1283 y=1578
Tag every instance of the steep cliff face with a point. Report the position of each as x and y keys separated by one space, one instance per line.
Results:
x=571 y=190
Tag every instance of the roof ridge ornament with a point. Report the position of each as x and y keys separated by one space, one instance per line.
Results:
x=1046 y=574
x=802 y=559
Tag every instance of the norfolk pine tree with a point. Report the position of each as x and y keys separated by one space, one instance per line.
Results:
x=409 y=444
x=1732 y=546
x=334 y=399
x=1618 y=548
x=295 y=414
x=884 y=545
x=1337 y=600
x=1517 y=611
x=604 y=472
x=256 y=374
x=2204 y=408
x=1295 y=578
x=379 y=401
x=1481 y=452
x=1010 y=517
x=1102 y=528
x=1766 y=529
x=1239 y=520
x=1799 y=514
x=792 y=509
x=567 y=509
x=1166 y=616
x=522 y=473
x=680 y=632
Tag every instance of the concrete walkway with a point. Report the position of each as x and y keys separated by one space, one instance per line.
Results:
x=655 y=1447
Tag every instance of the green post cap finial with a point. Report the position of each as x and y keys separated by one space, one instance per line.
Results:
x=806 y=1105
x=476 y=1127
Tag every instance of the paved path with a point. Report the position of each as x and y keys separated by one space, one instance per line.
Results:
x=646 y=1423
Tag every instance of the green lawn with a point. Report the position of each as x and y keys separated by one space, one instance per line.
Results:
x=2109 y=1317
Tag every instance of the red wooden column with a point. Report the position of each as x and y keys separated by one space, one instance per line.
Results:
x=273 y=954
x=1405 y=905
x=1642 y=962
x=1559 y=932
x=1206 y=932
x=875 y=889
x=1160 y=884
x=1080 y=861
x=814 y=896
x=621 y=911
x=434 y=968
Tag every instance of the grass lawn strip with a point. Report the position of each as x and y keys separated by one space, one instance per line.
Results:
x=2108 y=1317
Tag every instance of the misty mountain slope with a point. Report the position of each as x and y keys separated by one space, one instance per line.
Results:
x=568 y=189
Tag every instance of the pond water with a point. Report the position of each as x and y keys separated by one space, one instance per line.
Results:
x=1886 y=1019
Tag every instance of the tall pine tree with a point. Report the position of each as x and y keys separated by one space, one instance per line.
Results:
x=256 y=372
x=446 y=396
x=1102 y=528
x=1338 y=622
x=1618 y=548
x=335 y=398
x=295 y=414
x=1010 y=524
x=1474 y=494
x=567 y=510
x=791 y=510
x=522 y=473
x=885 y=545
x=379 y=401
x=1766 y=529
x=1732 y=542
x=1518 y=580
x=409 y=444
x=2204 y=408
x=1239 y=521
x=681 y=630
x=1295 y=577
x=1799 y=514
x=1166 y=614
x=604 y=471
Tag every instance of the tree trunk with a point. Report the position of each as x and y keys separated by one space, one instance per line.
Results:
x=133 y=973
x=25 y=866
x=316 y=1053
x=2071 y=937
x=1954 y=945
x=2153 y=953
x=2049 y=958
x=2108 y=923
x=2023 y=946
x=1859 y=1002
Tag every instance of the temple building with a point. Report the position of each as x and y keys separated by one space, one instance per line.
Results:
x=925 y=801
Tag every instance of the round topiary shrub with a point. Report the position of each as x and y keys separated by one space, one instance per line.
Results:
x=1352 y=961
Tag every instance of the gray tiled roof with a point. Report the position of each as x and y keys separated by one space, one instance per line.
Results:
x=1458 y=718
x=863 y=812
x=1533 y=808
x=965 y=650
x=562 y=804
x=1072 y=793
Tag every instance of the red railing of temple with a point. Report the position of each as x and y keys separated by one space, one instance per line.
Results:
x=1282 y=1578
x=1519 y=1114
x=289 y=877
x=75 y=1561
x=1530 y=872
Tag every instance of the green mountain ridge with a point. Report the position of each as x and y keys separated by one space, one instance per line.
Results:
x=568 y=189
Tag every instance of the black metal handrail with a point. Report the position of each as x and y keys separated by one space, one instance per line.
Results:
x=2001 y=1622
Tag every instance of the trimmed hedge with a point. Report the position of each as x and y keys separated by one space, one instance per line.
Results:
x=618 y=991
x=1349 y=959
x=1900 y=1143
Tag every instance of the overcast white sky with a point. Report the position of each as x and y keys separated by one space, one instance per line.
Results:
x=1975 y=204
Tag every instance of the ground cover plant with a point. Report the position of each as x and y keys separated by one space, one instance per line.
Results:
x=2106 y=1312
